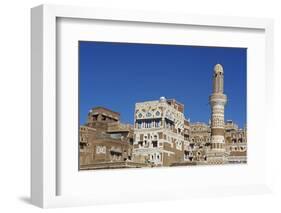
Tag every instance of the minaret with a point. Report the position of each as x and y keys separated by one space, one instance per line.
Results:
x=217 y=101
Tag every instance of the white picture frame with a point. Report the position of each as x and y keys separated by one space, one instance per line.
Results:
x=44 y=149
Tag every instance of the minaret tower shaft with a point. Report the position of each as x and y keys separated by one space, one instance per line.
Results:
x=217 y=101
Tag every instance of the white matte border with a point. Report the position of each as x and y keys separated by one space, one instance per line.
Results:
x=46 y=51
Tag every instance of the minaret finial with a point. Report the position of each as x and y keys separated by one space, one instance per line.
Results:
x=218 y=68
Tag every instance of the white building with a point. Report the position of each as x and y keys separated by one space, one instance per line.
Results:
x=159 y=132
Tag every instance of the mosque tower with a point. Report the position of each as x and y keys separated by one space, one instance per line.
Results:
x=217 y=100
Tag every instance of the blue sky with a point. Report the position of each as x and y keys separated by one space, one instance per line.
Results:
x=117 y=75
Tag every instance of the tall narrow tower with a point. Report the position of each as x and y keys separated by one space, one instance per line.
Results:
x=217 y=101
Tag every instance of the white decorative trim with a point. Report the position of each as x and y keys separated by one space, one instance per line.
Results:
x=217 y=139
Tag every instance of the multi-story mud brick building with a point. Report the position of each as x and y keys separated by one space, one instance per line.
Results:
x=236 y=143
x=159 y=132
x=105 y=142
